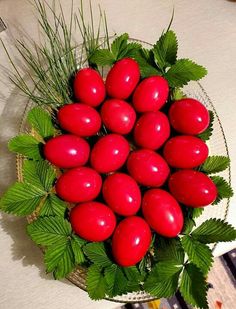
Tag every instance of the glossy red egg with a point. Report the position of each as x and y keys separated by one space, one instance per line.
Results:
x=80 y=184
x=148 y=168
x=122 y=194
x=151 y=94
x=118 y=116
x=131 y=241
x=67 y=151
x=152 y=130
x=189 y=116
x=109 y=153
x=89 y=87
x=162 y=212
x=122 y=78
x=79 y=119
x=92 y=221
x=185 y=151
x=192 y=188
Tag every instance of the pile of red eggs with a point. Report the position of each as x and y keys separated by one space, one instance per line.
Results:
x=122 y=168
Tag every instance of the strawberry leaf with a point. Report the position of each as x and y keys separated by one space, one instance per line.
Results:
x=183 y=71
x=41 y=121
x=214 y=230
x=193 y=286
x=21 y=199
x=215 y=164
x=26 y=145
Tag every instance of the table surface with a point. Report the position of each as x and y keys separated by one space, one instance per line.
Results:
x=207 y=34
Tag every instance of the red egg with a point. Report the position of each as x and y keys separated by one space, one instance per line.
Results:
x=67 y=151
x=131 y=241
x=109 y=153
x=79 y=119
x=122 y=78
x=185 y=151
x=118 y=116
x=151 y=94
x=152 y=130
x=192 y=188
x=148 y=168
x=81 y=184
x=89 y=87
x=122 y=194
x=189 y=116
x=93 y=221
x=162 y=212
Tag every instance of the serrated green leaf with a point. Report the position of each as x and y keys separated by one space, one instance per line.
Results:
x=41 y=121
x=49 y=230
x=183 y=71
x=130 y=49
x=96 y=284
x=119 y=44
x=165 y=49
x=21 y=199
x=198 y=253
x=169 y=249
x=189 y=223
x=215 y=164
x=223 y=188
x=214 y=230
x=163 y=279
x=26 y=145
x=193 y=286
x=102 y=57
x=208 y=132
x=59 y=259
x=40 y=174
x=115 y=280
x=196 y=212
x=96 y=253
x=53 y=206
x=76 y=245
x=146 y=67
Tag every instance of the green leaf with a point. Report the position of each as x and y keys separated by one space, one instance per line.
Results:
x=119 y=44
x=130 y=49
x=198 y=253
x=76 y=244
x=163 y=279
x=40 y=174
x=146 y=67
x=96 y=284
x=169 y=249
x=26 y=145
x=59 y=259
x=196 y=212
x=208 y=132
x=102 y=57
x=53 y=206
x=177 y=94
x=21 y=199
x=193 y=286
x=223 y=188
x=41 y=121
x=134 y=278
x=96 y=253
x=214 y=230
x=165 y=49
x=115 y=280
x=189 y=224
x=183 y=71
x=49 y=230
x=215 y=164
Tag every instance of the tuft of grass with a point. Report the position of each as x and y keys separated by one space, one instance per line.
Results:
x=50 y=66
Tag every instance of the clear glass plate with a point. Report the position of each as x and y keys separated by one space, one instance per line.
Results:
x=217 y=146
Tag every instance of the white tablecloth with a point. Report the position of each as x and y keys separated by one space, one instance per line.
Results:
x=207 y=34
